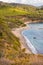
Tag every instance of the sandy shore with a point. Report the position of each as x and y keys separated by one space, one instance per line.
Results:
x=18 y=34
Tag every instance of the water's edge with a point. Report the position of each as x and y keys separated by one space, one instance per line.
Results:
x=32 y=48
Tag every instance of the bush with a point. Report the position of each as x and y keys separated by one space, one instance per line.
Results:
x=0 y=54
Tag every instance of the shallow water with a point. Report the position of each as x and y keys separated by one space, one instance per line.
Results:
x=35 y=36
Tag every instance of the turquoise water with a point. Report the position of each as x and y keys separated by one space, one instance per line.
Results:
x=34 y=36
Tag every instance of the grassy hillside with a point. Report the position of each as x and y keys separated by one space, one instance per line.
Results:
x=11 y=10
x=8 y=41
x=13 y=16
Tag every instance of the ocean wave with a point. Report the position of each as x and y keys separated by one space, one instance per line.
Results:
x=29 y=44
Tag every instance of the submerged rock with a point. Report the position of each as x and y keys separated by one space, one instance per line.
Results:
x=34 y=37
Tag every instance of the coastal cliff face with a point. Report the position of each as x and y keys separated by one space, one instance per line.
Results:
x=14 y=16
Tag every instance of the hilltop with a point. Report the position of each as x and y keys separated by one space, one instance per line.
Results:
x=28 y=12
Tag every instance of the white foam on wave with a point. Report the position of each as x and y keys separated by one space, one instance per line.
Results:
x=30 y=44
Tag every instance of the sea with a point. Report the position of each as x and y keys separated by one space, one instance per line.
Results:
x=34 y=37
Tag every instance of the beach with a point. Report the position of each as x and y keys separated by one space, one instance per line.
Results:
x=18 y=33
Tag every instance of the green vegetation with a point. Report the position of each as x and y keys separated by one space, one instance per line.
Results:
x=13 y=16
x=14 y=12
x=7 y=39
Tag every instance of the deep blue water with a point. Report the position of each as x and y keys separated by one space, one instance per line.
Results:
x=35 y=36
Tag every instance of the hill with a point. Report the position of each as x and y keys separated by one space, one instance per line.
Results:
x=14 y=10
x=13 y=16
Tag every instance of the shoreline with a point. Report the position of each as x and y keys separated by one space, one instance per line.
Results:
x=30 y=45
x=18 y=33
